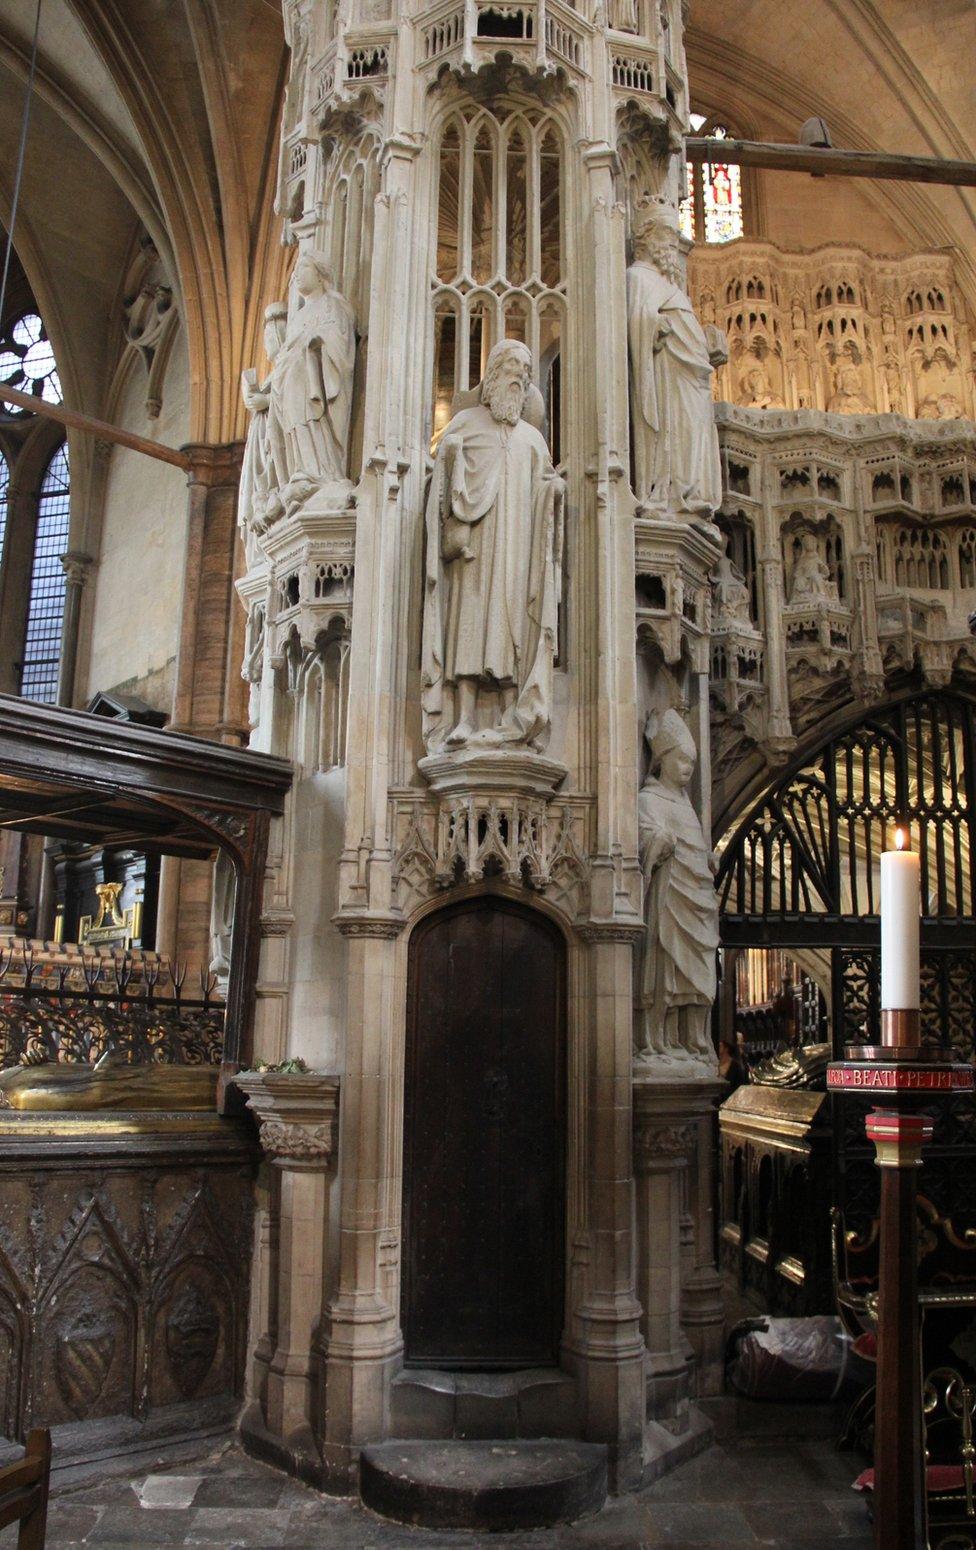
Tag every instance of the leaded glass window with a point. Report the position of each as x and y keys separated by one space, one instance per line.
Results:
x=27 y=360
x=712 y=208
x=4 y=491
x=499 y=264
x=42 y=644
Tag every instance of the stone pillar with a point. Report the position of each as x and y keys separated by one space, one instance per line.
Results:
x=298 y=1119
x=75 y=567
x=361 y=1327
x=661 y=1152
x=779 y=731
x=674 y=1143
x=702 y=1307
x=605 y=1350
x=209 y=699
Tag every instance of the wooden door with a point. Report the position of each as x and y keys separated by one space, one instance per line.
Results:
x=483 y=1147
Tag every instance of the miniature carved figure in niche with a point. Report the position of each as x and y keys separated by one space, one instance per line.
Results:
x=811 y=579
x=311 y=386
x=756 y=390
x=848 y=396
x=730 y=593
x=676 y=456
x=257 y=469
x=298 y=43
x=623 y=16
x=798 y=317
x=222 y=906
x=677 y=967
x=493 y=567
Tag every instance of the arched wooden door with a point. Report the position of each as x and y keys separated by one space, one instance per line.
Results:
x=483 y=1149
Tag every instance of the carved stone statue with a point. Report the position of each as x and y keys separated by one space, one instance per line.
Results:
x=676 y=456
x=848 y=396
x=677 y=971
x=257 y=469
x=811 y=579
x=311 y=386
x=623 y=16
x=730 y=593
x=756 y=390
x=222 y=917
x=493 y=563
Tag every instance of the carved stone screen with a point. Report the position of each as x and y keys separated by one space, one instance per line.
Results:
x=483 y=1142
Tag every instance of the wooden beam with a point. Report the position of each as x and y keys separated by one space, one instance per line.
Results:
x=821 y=160
x=99 y=428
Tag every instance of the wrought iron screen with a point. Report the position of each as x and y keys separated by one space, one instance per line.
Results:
x=802 y=870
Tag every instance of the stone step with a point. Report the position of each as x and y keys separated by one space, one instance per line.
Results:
x=485 y=1406
x=491 y=1486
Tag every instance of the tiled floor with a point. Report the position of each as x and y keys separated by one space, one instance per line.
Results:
x=773 y=1480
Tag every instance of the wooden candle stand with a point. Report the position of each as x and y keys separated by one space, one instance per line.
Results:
x=901 y=1077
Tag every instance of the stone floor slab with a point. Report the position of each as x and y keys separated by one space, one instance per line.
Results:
x=773 y=1482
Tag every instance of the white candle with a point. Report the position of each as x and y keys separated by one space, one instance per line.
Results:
x=901 y=908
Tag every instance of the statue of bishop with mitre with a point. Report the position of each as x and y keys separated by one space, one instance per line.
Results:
x=493 y=564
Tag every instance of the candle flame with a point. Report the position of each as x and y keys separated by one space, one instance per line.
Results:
x=901 y=838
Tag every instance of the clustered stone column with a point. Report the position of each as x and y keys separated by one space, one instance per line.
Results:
x=679 y=1286
x=297 y=1114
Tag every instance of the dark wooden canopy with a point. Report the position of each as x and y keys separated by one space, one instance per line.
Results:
x=77 y=775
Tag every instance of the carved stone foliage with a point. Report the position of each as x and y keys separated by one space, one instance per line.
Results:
x=662 y=1145
x=297 y=1114
x=838 y=329
x=121 y=1292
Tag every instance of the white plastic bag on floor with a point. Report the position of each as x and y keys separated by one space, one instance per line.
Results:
x=789 y=1358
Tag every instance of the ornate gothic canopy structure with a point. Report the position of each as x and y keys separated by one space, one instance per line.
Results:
x=591 y=534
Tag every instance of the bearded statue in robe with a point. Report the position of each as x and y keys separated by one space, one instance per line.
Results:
x=676 y=978
x=257 y=468
x=494 y=535
x=676 y=458
x=311 y=387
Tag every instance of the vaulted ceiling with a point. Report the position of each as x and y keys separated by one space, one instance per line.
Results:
x=154 y=114
x=162 y=115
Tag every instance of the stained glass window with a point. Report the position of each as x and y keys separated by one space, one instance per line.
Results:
x=4 y=488
x=712 y=209
x=42 y=645
x=27 y=359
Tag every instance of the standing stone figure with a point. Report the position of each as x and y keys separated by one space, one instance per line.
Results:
x=676 y=456
x=257 y=469
x=493 y=562
x=677 y=974
x=311 y=386
x=811 y=579
x=730 y=593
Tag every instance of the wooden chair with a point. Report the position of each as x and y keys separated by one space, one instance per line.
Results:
x=24 y=1488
